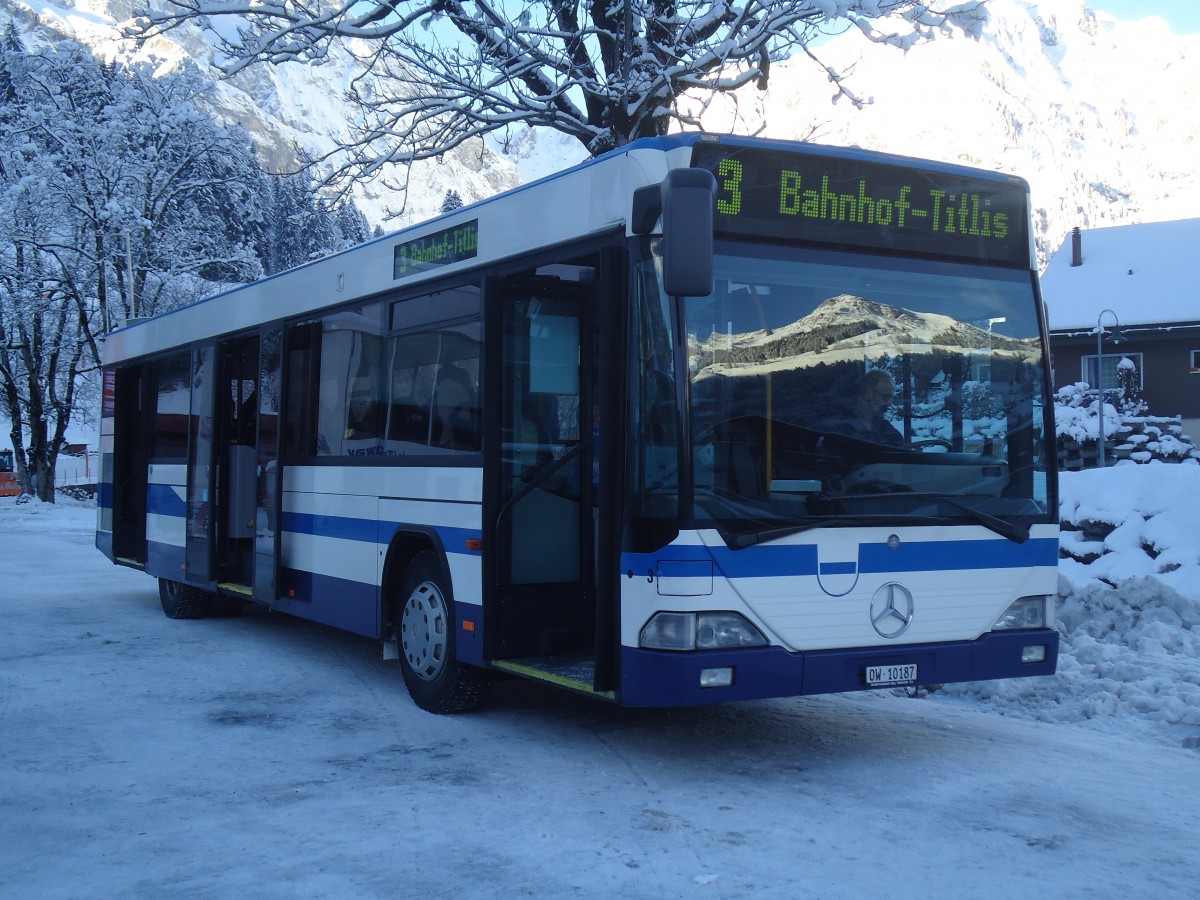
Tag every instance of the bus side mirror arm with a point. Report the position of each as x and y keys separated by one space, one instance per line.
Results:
x=685 y=200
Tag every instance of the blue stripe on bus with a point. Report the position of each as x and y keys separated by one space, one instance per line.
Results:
x=162 y=500
x=373 y=531
x=342 y=527
x=914 y=556
x=986 y=554
x=839 y=568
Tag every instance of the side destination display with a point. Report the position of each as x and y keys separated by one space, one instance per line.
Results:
x=450 y=245
x=835 y=201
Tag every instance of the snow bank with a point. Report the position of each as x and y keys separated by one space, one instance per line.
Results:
x=67 y=516
x=1128 y=605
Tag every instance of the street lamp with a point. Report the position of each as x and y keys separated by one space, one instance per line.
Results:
x=1116 y=339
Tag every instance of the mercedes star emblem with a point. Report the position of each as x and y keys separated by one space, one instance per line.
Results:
x=892 y=610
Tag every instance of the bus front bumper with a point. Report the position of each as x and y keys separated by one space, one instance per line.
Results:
x=671 y=678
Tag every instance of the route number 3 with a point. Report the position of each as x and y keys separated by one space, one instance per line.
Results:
x=730 y=172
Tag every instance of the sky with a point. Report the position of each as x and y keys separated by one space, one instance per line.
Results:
x=1182 y=15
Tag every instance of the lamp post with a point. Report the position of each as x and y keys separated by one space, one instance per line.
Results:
x=1116 y=339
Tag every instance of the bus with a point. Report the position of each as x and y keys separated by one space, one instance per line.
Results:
x=603 y=432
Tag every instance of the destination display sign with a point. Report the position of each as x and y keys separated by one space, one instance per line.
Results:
x=109 y=405
x=441 y=248
x=851 y=203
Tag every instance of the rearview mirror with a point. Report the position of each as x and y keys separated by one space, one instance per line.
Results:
x=688 y=197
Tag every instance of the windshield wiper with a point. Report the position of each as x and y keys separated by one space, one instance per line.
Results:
x=744 y=539
x=1018 y=534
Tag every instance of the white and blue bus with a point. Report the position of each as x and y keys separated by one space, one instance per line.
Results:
x=607 y=431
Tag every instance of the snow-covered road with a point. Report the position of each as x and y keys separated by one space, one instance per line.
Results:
x=263 y=756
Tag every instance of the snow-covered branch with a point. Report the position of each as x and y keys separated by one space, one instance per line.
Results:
x=442 y=72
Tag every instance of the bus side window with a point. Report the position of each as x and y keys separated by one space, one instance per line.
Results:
x=407 y=417
x=173 y=394
x=456 y=410
x=303 y=371
x=435 y=359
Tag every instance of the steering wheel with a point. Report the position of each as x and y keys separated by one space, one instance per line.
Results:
x=932 y=442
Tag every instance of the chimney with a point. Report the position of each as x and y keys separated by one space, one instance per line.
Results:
x=1076 y=247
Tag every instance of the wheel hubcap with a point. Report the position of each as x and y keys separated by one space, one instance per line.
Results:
x=423 y=631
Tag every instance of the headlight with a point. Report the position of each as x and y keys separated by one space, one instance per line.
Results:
x=1028 y=612
x=669 y=631
x=726 y=629
x=703 y=631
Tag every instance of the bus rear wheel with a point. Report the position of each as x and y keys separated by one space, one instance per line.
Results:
x=423 y=618
x=182 y=601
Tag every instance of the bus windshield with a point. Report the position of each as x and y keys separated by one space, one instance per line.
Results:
x=826 y=388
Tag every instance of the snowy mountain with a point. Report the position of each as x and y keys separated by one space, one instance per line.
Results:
x=836 y=331
x=1101 y=116
x=282 y=107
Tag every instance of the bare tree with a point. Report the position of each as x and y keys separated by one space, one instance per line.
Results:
x=606 y=72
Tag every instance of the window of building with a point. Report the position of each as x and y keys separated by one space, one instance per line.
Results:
x=1110 y=365
x=1194 y=362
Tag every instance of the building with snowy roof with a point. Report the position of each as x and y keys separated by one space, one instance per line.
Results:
x=1139 y=283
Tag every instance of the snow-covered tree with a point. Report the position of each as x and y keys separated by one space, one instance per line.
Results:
x=46 y=322
x=605 y=72
x=300 y=226
x=119 y=197
x=452 y=201
x=352 y=225
x=1129 y=380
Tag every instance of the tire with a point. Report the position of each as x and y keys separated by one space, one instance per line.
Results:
x=182 y=601
x=423 y=619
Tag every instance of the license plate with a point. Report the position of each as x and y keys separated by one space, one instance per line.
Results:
x=878 y=676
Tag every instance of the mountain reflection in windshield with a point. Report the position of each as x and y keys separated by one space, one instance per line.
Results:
x=807 y=407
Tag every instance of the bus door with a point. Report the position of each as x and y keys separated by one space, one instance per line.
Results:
x=132 y=408
x=200 y=482
x=266 y=501
x=223 y=482
x=543 y=557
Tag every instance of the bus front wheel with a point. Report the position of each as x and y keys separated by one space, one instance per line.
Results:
x=182 y=601
x=423 y=619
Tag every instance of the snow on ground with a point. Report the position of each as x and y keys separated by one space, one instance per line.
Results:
x=264 y=756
